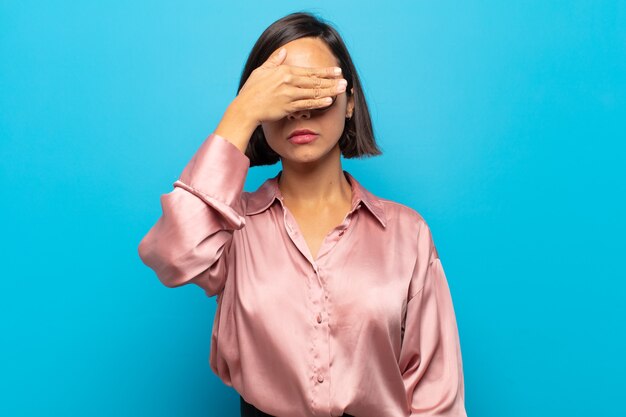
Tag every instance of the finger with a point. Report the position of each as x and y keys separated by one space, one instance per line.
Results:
x=314 y=82
x=276 y=58
x=325 y=72
x=315 y=93
x=310 y=103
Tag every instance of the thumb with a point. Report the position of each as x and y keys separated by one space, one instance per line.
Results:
x=276 y=58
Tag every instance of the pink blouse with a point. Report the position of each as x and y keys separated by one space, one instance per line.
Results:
x=367 y=328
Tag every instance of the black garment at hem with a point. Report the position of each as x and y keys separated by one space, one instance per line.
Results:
x=248 y=410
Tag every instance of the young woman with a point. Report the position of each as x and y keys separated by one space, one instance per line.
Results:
x=331 y=301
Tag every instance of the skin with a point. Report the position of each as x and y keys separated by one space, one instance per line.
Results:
x=282 y=95
x=312 y=182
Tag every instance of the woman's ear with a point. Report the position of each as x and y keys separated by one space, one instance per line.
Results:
x=350 y=105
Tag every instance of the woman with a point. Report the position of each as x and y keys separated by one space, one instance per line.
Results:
x=331 y=300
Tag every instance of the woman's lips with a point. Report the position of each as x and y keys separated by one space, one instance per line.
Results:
x=303 y=139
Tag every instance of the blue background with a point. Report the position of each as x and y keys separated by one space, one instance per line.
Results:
x=502 y=123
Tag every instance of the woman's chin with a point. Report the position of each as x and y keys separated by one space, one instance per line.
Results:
x=301 y=159
x=307 y=154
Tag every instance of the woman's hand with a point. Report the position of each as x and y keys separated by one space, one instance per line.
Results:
x=272 y=91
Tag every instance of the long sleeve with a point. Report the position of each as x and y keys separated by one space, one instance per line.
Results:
x=430 y=358
x=189 y=242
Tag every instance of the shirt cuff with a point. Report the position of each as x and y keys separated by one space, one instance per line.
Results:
x=217 y=174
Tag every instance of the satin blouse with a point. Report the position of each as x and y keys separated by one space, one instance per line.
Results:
x=366 y=328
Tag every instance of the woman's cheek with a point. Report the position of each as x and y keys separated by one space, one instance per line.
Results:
x=271 y=135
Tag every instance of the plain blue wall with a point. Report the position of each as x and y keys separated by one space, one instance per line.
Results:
x=502 y=123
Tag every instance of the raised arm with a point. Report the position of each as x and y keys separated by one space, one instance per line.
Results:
x=191 y=240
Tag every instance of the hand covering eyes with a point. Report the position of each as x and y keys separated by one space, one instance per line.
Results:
x=323 y=109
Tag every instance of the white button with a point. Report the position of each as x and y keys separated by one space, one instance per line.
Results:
x=320 y=378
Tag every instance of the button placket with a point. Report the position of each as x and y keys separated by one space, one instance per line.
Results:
x=321 y=360
x=317 y=296
x=317 y=341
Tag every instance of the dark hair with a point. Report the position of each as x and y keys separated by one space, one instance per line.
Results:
x=357 y=139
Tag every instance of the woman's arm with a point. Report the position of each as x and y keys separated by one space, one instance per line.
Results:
x=430 y=359
x=189 y=241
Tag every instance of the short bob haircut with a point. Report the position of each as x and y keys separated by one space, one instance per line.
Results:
x=357 y=139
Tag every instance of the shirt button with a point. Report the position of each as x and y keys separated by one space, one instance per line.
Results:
x=319 y=317
x=320 y=378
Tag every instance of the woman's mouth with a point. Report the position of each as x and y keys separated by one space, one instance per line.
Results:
x=304 y=138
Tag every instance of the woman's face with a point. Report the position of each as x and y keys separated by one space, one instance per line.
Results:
x=329 y=124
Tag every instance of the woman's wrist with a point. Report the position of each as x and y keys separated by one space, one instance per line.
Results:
x=237 y=125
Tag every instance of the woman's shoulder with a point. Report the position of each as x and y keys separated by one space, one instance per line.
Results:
x=401 y=212
x=404 y=219
x=394 y=212
x=409 y=223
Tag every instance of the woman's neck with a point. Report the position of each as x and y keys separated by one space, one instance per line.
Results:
x=314 y=185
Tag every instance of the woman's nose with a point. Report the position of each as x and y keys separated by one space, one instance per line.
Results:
x=300 y=114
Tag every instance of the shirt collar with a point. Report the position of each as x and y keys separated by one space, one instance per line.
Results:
x=264 y=196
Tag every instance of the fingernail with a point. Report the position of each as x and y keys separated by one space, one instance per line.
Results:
x=337 y=70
